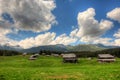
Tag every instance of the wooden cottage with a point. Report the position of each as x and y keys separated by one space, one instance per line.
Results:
x=36 y=54
x=24 y=54
x=70 y=58
x=33 y=57
x=106 y=58
x=55 y=55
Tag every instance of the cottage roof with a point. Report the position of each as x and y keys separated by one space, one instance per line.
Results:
x=24 y=53
x=105 y=56
x=69 y=55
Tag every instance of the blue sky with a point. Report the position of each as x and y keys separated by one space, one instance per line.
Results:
x=62 y=19
x=67 y=11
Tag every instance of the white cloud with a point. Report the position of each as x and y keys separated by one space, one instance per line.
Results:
x=64 y=39
x=117 y=38
x=114 y=14
x=42 y=39
x=33 y=15
x=89 y=27
x=30 y=15
x=73 y=33
x=4 y=30
x=117 y=34
x=105 y=41
x=46 y=39
x=117 y=42
x=109 y=41
x=4 y=40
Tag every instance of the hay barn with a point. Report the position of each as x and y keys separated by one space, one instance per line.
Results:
x=33 y=57
x=70 y=58
x=106 y=58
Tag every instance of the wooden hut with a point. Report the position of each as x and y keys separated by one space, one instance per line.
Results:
x=24 y=54
x=106 y=58
x=43 y=53
x=61 y=55
x=33 y=57
x=36 y=54
x=55 y=55
x=70 y=58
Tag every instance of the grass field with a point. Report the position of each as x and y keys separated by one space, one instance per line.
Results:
x=52 y=68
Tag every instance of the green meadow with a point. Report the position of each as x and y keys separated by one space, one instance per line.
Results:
x=52 y=68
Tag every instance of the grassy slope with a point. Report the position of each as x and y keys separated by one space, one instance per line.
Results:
x=51 y=68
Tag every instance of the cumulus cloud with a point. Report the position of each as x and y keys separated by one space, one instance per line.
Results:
x=46 y=39
x=117 y=38
x=105 y=41
x=33 y=15
x=4 y=31
x=89 y=27
x=4 y=40
x=64 y=39
x=36 y=16
x=117 y=42
x=6 y=28
x=114 y=14
x=109 y=41
x=42 y=39
x=29 y=15
x=73 y=33
x=117 y=34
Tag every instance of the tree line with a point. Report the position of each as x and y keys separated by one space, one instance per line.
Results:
x=8 y=53
x=114 y=52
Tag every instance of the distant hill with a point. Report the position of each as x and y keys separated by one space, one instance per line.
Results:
x=108 y=47
x=5 y=47
x=9 y=48
x=58 y=47
x=85 y=47
x=61 y=48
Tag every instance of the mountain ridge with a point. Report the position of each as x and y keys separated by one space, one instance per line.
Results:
x=61 y=48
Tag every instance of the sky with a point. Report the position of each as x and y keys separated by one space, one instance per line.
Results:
x=32 y=23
